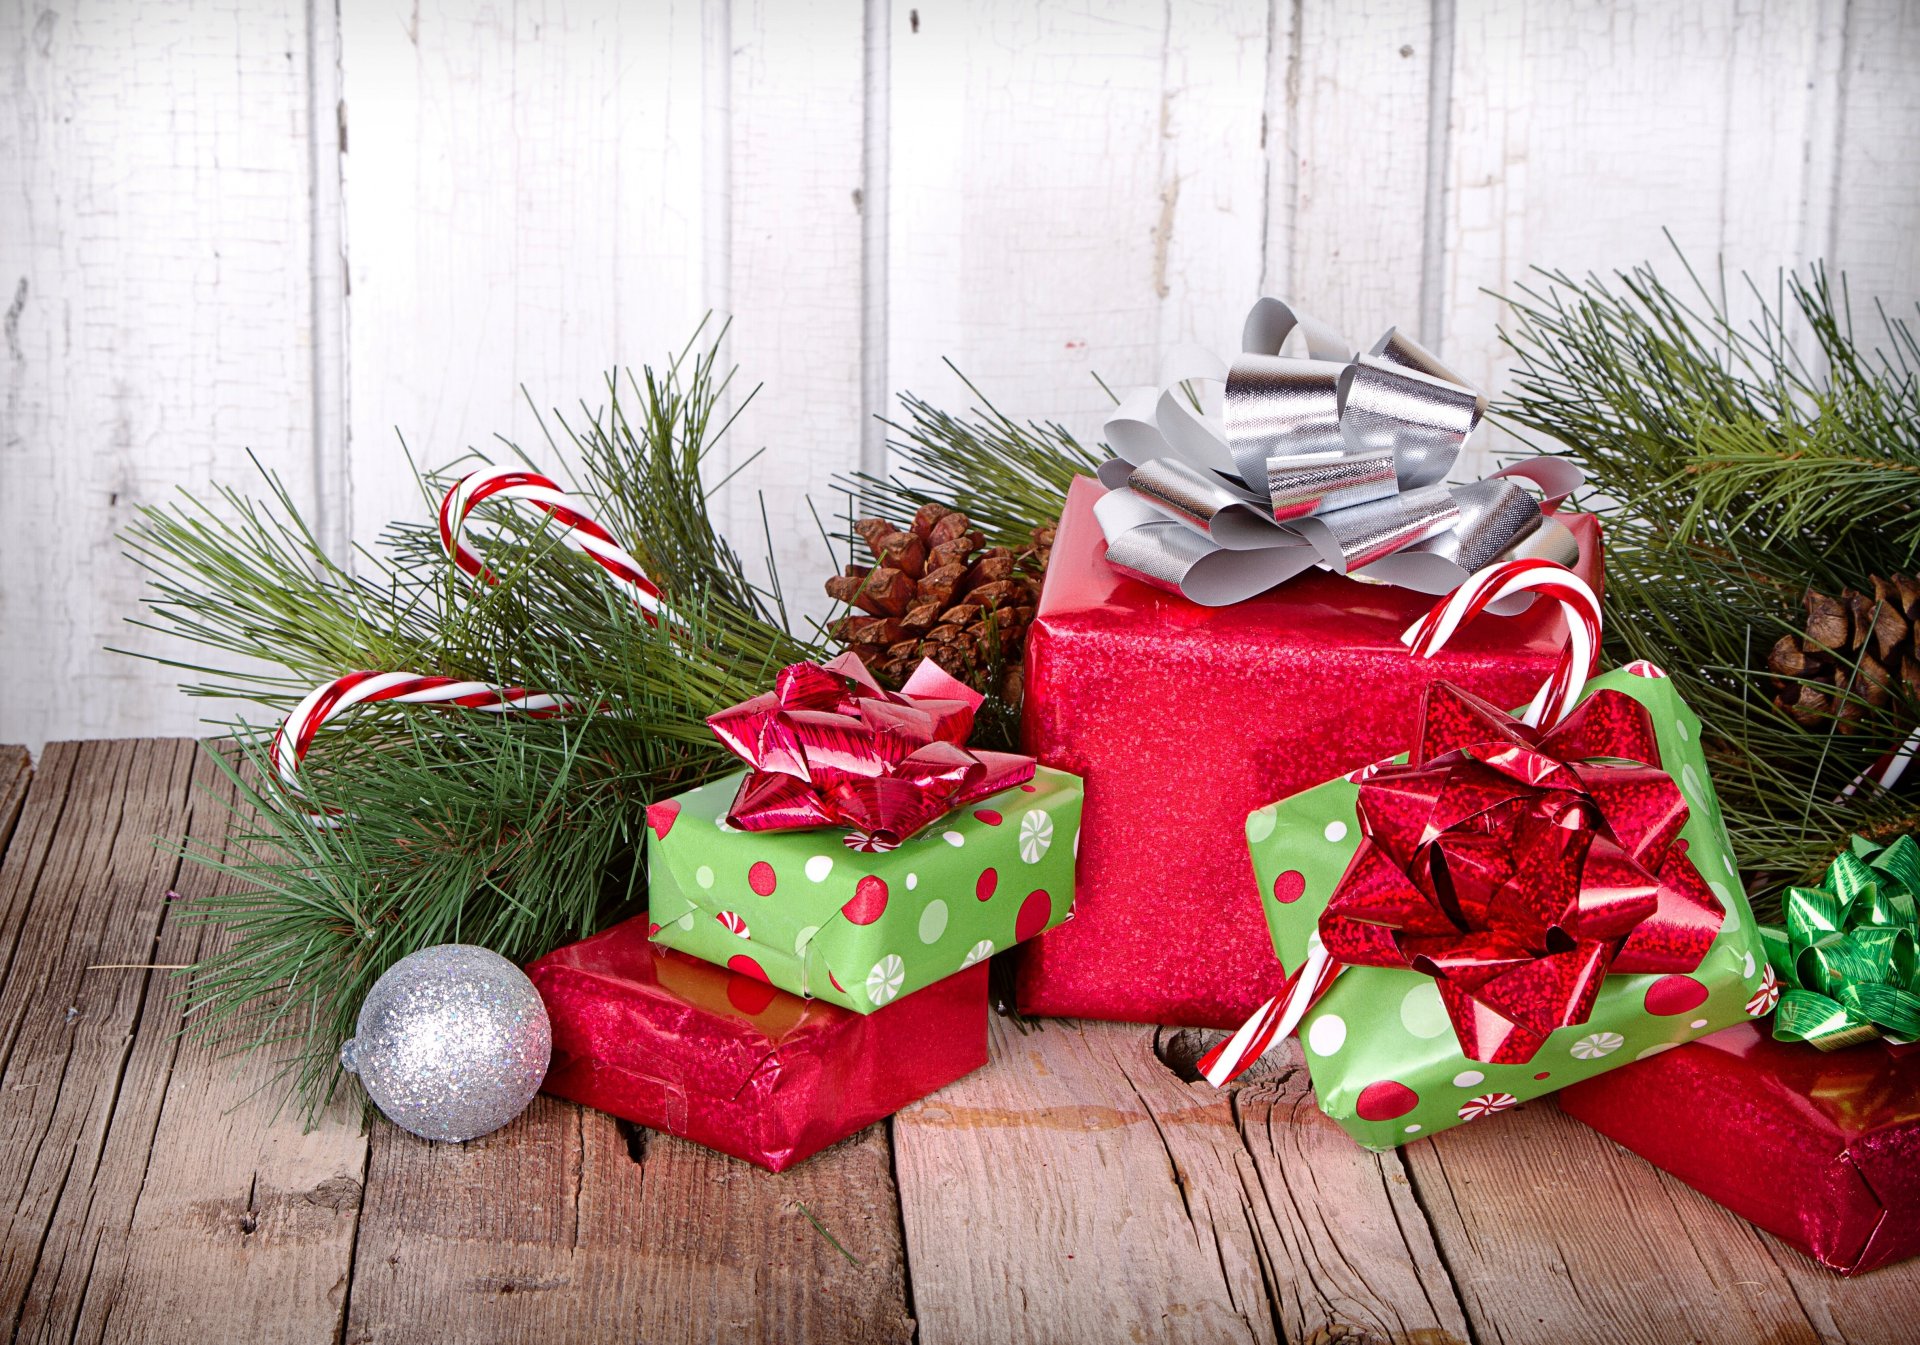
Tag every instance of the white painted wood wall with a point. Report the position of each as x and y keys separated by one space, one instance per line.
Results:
x=297 y=226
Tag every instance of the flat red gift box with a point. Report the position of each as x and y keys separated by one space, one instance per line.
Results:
x=706 y=1054
x=1183 y=719
x=1821 y=1149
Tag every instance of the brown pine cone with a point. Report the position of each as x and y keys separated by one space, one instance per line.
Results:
x=1870 y=644
x=936 y=590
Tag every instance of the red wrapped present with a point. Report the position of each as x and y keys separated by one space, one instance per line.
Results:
x=724 y=1060
x=1820 y=1149
x=1182 y=719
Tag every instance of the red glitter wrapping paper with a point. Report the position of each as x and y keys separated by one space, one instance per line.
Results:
x=1820 y=1149
x=1182 y=719
x=705 y=1054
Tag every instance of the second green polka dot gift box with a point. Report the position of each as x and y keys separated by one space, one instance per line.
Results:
x=1507 y=910
x=868 y=853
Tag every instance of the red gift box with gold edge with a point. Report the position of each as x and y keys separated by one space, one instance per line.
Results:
x=709 y=1055
x=1183 y=719
x=1821 y=1149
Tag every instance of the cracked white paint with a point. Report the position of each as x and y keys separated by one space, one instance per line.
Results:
x=530 y=193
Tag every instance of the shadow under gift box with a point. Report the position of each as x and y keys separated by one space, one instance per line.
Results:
x=709 y=1055
x=1820 y=1149
x=1183 y=719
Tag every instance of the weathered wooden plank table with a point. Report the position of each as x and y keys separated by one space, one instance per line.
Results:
x=1079 y=1189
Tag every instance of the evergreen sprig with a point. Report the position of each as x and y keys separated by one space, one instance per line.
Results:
x=511 y=831
x=1738 y=463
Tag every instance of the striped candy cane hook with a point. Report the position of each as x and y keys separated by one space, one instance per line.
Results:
x=1278 y=1017
x=542 y=495
x=1578 y=661
x=297 y=732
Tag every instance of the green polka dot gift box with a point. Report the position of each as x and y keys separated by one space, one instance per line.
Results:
x=1384 y=1043
x=802 y=910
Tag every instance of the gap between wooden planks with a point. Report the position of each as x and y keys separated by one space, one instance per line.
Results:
x=1077 y=1190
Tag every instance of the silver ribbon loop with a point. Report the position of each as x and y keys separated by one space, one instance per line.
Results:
x=1335 y=459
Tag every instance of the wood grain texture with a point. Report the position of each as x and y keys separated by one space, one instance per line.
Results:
x=234 y=1193
x=82 y=883
x=1103 y=1198
x=1551 y=1232
x=154 y=278
x=552 y=1230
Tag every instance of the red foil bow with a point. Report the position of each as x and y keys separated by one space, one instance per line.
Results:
x=1518 y=868
x=830 y=748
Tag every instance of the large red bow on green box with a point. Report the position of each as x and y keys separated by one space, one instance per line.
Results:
x=1518 y=868
x=830 y=747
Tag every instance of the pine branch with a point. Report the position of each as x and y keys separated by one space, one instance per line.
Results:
x=1735 y=469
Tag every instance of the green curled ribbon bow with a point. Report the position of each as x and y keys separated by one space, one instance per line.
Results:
x=1849 y=957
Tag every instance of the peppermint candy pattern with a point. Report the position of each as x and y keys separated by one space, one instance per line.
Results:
x=733 y=924
x=1597 y=1044
x=886 y=978
x=1036 y=835
x=980 y=952
x=1766 y=998
x=1486 y=1105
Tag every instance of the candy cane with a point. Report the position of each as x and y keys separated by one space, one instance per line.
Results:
x=1578 y=661
x=297 y=732
x=543 y=496
x=1278 y=1017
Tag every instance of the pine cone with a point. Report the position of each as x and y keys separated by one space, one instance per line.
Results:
x=1871 y=643
x=936 y=590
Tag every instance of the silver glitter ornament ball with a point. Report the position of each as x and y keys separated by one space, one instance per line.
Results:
x=452 y=1042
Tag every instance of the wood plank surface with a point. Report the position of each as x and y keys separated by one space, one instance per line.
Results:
x=561 y=1227
x=1083 y=1187
x=82 y=883
x=1552 y=1232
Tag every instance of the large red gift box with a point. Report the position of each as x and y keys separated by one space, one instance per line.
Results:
x=724 y=1060
x=1183 y=719
x=1820 y=1149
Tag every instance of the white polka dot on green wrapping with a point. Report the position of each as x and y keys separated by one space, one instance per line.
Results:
x=933 y=921
x=803 y=938
x=1260 y=823
x=703 y=876
x=913 y=881
x=1732 y=922
x=1467 y=1078
x=819 y=867
x=1422 y=1012
x=1690 y=781
x=953 y=838
x=685 y=921
x=1413 y=1129
x=1680 y=727
x=1327 y=1034
x=1336 y=831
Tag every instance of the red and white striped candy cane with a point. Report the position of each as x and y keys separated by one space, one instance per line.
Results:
x=1278 y=1017
x=1578 y=661
x=297 y=732
x=542 y=495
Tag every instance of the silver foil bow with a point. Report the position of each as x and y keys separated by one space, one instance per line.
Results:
x=1331 y=460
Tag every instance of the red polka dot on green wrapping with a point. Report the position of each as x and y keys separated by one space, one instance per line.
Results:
x=1035 y=911
x=661 y=816
x=1031 y=789
x=834 y=981
x=988 y=815
x=761 y=878
x=746 y=966
x=652 y=929
x=748 y=995
x=1675 y=994
x=868 y=902
x=983 y=886
x=1385 y=1100
x=1288 y=886
x=1543 y=1074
